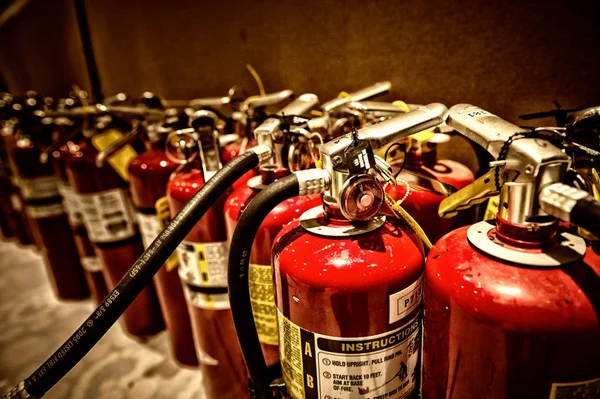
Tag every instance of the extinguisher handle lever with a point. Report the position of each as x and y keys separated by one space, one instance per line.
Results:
x=109 y=151
x=362 y=94
x=268 y=99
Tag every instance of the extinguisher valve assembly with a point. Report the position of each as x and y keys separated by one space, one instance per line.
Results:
x=528 y=173
x=346 y=183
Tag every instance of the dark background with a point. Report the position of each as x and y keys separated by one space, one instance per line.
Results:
x=509 y=57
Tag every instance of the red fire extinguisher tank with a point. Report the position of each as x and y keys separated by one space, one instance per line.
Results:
x=149 y=174
x=43 y=205
x=500 y=330
x=107 y=215
x=423 y=205
x=261 y=279
x=349 y=308
x=90 y=262
x=203 y=272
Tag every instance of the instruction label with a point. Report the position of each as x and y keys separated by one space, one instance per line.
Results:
x=383 y=366
x=203 y=270
x=44 y=211
x=107 y=216
x=584 y=389
x=71 y=204
x=262 y=297
x=38 y=187
x=405 y=301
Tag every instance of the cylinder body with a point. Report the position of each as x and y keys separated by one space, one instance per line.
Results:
x=203 y=272
x=349 y=311
x=43 y=205
x=109 y=221
x=90 y=262
x=495 y=329
x=149 y=174
x=260 y=275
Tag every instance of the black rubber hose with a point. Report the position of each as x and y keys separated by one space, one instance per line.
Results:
x=239 y=294
x=140 y=274
x=586 y=214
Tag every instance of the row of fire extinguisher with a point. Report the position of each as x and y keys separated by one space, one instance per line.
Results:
x=287 y=245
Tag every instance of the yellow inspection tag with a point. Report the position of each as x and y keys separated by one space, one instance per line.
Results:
x=164 y=218
x=121 y=159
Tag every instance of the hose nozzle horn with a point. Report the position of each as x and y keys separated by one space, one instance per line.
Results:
x=525 y=164
x=351 y=155
x=363 y=94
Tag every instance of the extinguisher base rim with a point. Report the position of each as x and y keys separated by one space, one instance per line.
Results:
x=571 y=248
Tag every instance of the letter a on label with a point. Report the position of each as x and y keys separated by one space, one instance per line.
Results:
x=307 y=350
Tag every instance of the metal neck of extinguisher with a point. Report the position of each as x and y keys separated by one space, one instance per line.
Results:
x=528 y=171
x=204 y=124
x=270 y=132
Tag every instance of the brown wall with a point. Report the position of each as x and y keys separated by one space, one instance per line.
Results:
x=509 y=57
x=40 y=49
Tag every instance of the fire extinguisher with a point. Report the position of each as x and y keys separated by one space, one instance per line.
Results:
x=291 y=143
x=203 y=265
x=20 y=226
x=38 y=188
x=348 y=281
x=512 y=306
x=148 y=177
x=102 y=193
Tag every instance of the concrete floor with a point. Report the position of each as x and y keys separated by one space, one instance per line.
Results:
x=33 y=323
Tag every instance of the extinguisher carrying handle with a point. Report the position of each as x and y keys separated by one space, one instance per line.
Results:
x=138 y=276
x=362 y=94
x=571 y=205
x=312 y=181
